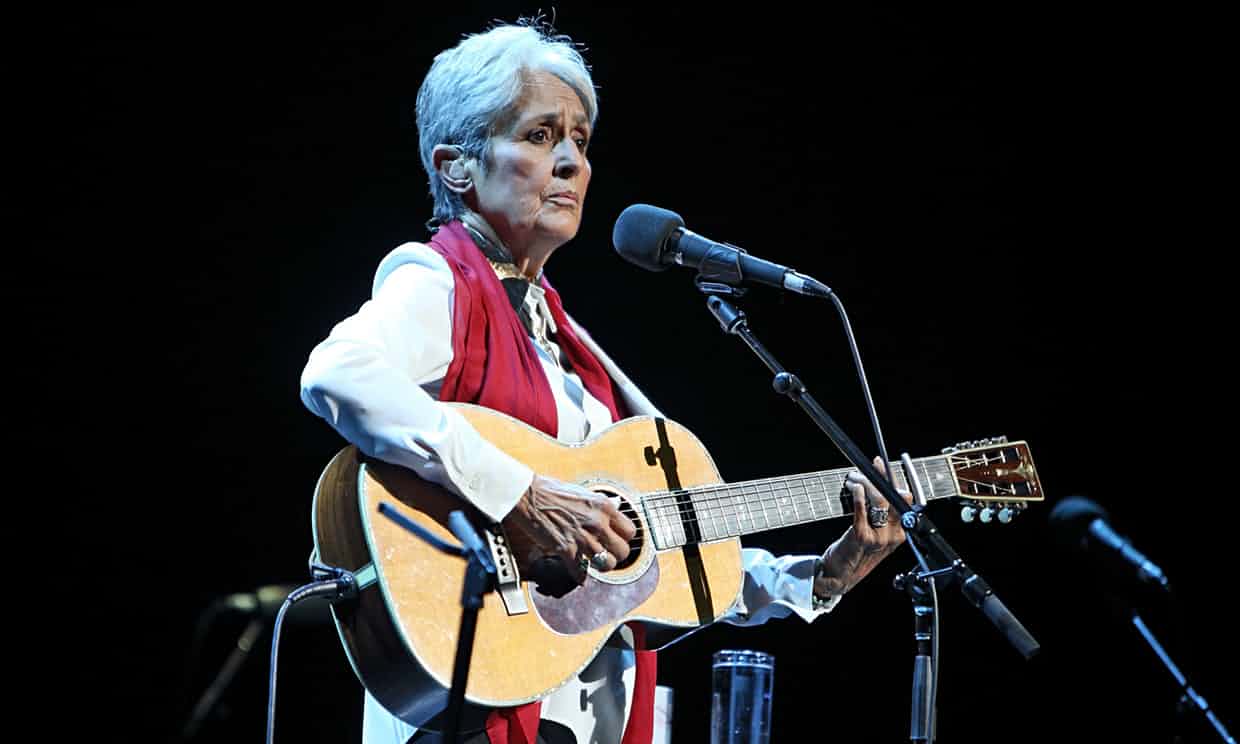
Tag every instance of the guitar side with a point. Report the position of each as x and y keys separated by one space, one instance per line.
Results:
x=401 y=633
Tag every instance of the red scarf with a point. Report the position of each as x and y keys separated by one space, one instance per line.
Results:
x=494 y=364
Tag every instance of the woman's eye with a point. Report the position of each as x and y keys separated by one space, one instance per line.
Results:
x=582 y=143
x=540 y=136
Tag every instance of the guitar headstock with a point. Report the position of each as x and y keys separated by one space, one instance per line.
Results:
x=994 y=477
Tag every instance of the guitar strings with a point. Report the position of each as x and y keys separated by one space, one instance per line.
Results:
x=747 y=494
x=754 y=486
x=664 y=510
x=750 y=492
x=668 y=511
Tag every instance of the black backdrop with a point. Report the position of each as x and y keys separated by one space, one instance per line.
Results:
x=1007 y=201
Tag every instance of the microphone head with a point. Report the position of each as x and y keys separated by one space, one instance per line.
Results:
x=641 y=233
x=1071 y=517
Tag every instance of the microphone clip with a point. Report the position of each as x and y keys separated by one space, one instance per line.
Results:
x=707 y=287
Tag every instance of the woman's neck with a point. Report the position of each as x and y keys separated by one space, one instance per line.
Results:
x=529 y=261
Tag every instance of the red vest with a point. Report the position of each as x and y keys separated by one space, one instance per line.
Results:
x=494 y=364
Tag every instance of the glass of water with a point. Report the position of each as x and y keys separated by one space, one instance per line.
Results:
x=741 y=699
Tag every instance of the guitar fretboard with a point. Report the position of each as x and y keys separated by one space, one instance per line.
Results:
x=707 y=513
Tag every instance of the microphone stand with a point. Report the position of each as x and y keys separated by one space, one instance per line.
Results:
x=236 y=658
x=918 y=586
x=479 y=579
x=941 y=559
x=1189 y=698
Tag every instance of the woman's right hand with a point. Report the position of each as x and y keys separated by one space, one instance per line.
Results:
x=566 y=520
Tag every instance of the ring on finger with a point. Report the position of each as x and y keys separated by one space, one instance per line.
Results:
x=600 y=559
x=877 y=516
x=583 y=562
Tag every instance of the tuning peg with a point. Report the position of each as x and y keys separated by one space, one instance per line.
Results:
x=967 y=513
x=986 y=514
x=1006 y=514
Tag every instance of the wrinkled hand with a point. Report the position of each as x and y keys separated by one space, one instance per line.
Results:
x=863 y=546
x=566 y=520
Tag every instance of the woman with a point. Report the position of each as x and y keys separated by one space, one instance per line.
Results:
x=505 y=119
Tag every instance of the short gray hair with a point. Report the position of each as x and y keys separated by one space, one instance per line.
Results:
x=472 y=86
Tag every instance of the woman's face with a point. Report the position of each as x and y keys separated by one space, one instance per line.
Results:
x=533 y=188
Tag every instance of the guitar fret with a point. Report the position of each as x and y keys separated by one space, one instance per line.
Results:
x=785 y=500
x=737 y=498
x=727 y=509
x=753 y=526
x=926 y=484
x=813 y=513
x=826 y=495
x=781 y=502
x=796 y=513
x=766 y=522
x=742 y=507
x=712 y=511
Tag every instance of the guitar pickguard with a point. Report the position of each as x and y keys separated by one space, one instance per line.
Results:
x=594 y=603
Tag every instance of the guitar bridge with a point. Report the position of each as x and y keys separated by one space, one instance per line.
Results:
x=508 y=580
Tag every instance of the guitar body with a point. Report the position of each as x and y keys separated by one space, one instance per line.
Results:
x=401 y=633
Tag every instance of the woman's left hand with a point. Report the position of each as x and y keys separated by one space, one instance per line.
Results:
x=874 y=534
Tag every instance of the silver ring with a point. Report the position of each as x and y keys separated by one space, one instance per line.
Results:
x=877 y=516
x=583 y=562
x=599 y=560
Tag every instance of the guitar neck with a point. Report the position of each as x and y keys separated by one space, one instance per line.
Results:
x=707 y=513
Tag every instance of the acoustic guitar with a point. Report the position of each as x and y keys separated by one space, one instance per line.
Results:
x=539 y=628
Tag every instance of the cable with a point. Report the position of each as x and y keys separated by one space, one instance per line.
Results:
x=333 y=590
x=882 y=450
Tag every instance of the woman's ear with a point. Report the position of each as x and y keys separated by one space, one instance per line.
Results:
x=453 y=168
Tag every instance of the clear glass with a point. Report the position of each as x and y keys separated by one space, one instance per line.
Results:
x=741 y=697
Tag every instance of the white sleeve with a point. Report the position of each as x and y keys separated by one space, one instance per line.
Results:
x=366 y=379
x=776 y=587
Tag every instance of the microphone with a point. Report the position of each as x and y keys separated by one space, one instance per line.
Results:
x=1083 y=523
x=655 y=238
x=264 y=603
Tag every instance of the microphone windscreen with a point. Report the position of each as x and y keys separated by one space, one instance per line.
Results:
x=1071 y=517
x=641 y=232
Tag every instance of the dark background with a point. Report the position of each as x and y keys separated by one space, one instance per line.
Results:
x=1012 y=205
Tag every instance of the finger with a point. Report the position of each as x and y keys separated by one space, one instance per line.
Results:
x=621 y=524
x=614 y=544
x=861 y=519
x=598 y=553
x=591 y=548
x=876 y=496
x=876 y=499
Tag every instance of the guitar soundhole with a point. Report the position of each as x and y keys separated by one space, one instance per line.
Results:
x=639 y=538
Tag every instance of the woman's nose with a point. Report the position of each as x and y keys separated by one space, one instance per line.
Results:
x=567 y=158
